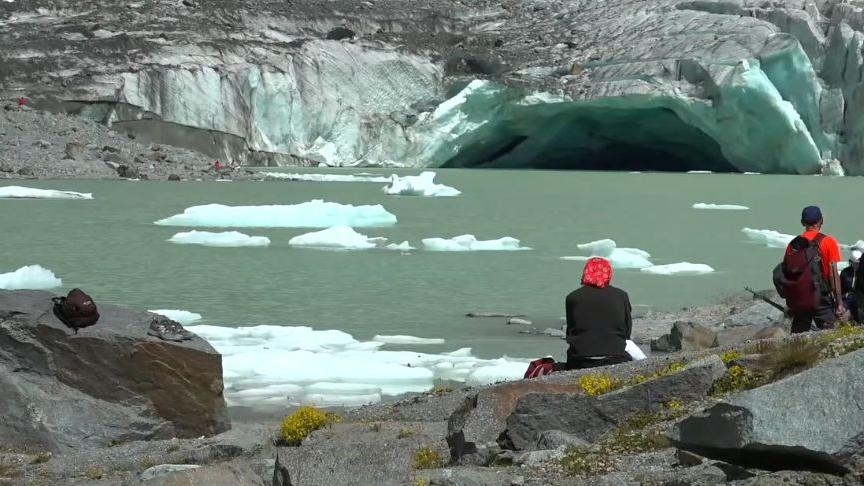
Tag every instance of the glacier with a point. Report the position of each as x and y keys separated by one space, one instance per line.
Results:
x=312 y=214
x=18 y=192
x=30 y=277
x=225 y=239
x=267 y=366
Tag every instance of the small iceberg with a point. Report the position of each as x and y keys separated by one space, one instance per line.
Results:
x=183 y=317
x=31 y=277
x=226 y=239
x=683 y=268
x=336 y=237
x=618 y=257
x=770 y=238
x=404 y=246
x=18 y=192
x=399 y=339
x=728 y=207
x=326 y=177
x=470 y=243
x=312 y=214
x=700 y=172
x=419 y=185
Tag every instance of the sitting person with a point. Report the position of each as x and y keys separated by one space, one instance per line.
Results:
x=852 y=286
x=598 y=319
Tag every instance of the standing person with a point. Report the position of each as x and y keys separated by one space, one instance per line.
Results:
x=810 y=281
x=852 y=285
x=598 y=319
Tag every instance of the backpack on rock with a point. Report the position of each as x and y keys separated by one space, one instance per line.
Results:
x=802 y=282
x=77 y=310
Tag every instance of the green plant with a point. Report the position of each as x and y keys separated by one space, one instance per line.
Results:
x=40 y=458
x=421 y=482
x=173 y=448
x=302 y=422
x=669 y=369
x=9 y=469
x=598 y=383
x=405 y=432
x=427 y=458
x=730 y=355
x=441 y=390
x=582 y=461
x=737 y=378
x=625 y=440
x=375 y=427
x=674 y=404
x=94 y=472
x=146 y=462
x=791 y=358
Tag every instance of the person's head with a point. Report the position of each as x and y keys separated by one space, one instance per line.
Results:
x=597 y=272
x=855 y=256
x=811 y=217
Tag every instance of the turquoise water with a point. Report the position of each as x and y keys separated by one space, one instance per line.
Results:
x=110 y=247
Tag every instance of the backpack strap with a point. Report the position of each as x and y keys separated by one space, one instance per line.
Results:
x=817 y=240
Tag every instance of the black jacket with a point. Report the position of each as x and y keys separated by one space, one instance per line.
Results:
x=598 y=322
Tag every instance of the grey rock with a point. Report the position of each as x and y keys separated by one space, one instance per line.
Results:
x=742 y=334
x=74 y=150
x=472 y=476
x=663 y=344
x=689 y=336
x=109 y=383
x=589 y=417
x=173 y=177
x=798 y=478
x=688 y=459
x=165 y=469
x=767 y=428
x=553 y=439
x=229 y=474
x=759 y=314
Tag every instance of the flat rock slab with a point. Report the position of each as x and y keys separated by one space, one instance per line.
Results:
x=812 y=420
x=215 y=475
x=355 y=453
x=109 y=383
x=589 y=417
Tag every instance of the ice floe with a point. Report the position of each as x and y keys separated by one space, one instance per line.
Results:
x=730 y=207
x=399 y=339
x=770 y=238
x=225 y=239
x=404 y=246
x=327 y=177
x=280 y=366
x=336 y=237
x=419 y=185
x=31 y=277
x=181 y=316
x=682 y=268
x=312 y=214
x=619 y=257
x=470 y=243
x=18 y=192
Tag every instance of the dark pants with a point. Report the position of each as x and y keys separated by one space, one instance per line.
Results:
x=822 y=318
x=574 y=363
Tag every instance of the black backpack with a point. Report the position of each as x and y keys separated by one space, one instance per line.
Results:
x=76 y=310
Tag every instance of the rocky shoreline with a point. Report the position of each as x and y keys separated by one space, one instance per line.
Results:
x=85 y=409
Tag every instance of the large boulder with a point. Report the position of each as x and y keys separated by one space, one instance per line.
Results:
x=759 y=314
x=690 y=336
x=589 y=417
x=108 y=383
x=742 y=334
x=811 y=420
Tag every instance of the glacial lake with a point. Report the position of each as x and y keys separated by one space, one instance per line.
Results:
x=110 y=247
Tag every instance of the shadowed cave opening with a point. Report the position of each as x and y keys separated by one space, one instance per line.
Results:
x=592 y=138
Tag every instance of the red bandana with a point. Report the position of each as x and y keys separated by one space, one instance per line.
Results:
x=597 y=273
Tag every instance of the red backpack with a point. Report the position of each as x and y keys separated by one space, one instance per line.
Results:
x=802 y=281
x=76 y=310
x=540 y=367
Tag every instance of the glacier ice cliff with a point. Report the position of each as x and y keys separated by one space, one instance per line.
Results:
x=720 y=85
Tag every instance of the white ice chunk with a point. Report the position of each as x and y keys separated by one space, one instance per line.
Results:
x=419 y=185
x=699 y=172
x=731 y=207
x=181 y=316
x=501 y=371
x=634 y=351
x=770 y=238
x=470 y=243
x=224 y=239
x=337 y=237
x=618 y=257
x=31 y=277
x=399 y=339
x=18 y=192
x=404 y=246
x=311 y=214
x=682 y=268
x=327 y=177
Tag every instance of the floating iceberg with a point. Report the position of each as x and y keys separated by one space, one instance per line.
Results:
x=181 y=316
x=337 y=237
x=771 y=238
x=31 y=277
x=312 y=214
x=419 y=185
x=18 y=192
x=619 y=257
x=269 y=366
x=226 y=239
x=327 y=177
x=470 y=243
x=700 y=172
x=683 y=268
x=731 y=207
x=398 y=339
x=404 y=246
